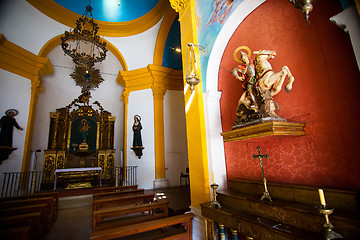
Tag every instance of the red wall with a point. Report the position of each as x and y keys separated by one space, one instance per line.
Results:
x=325 y=96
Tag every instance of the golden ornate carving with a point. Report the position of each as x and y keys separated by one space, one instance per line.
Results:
x=179 y=5
x=36 y=86
x=158 y=92
x=125 y=96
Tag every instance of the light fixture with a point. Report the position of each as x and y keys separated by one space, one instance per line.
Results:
x=87 y=78
x=305 y=5
x=176 y=49
x=83 y=44
x=192 y=77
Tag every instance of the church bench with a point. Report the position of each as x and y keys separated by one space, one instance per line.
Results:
x=107 y=195
x=115 y=189
x=42 y=208
x=126 y=215
x=121 y=201
x=55 y=195
x=49 y=201
x=148 y=229
x=36 y=221
x=18 y=233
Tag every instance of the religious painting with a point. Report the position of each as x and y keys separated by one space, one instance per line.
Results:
x=211 y=16
x=83 y=131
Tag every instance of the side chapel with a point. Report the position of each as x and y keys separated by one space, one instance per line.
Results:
x=255 y=100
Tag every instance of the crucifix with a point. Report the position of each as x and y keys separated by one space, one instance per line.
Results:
x=266 y=193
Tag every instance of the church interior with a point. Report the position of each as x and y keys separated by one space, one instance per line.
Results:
x=179 y=119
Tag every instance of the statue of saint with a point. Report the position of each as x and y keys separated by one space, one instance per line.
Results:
x=7 y=124
x=137 y=142
x=260 y=83
x=84 y=130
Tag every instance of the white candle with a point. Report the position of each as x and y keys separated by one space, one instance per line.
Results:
x=213 y=177
x=322 y=197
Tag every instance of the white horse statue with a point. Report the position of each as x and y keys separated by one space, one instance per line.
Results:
x=267 y=78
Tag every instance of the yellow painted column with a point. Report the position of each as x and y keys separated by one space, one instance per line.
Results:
x=125 y=99
x=195 y=118
x=36 y=88
x=158 y=94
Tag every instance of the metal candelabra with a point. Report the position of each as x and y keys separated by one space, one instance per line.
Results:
x=328 y=232
x=215 y=203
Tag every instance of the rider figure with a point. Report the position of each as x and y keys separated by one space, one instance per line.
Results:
x=247 y=76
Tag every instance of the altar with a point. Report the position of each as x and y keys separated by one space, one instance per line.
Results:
x=81 y=136
x=81 y=176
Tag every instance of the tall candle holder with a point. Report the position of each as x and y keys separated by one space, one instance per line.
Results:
x=215 y=203
x=328 y=232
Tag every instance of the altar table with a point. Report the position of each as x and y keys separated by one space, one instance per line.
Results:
x=76 y=170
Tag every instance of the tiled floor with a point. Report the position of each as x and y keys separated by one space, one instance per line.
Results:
x=74 y=219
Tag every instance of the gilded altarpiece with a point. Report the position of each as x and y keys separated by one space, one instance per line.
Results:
x=80 y=135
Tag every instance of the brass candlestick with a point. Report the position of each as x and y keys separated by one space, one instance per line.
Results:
x=215 y=203
x=328 y=232
x=266 y=193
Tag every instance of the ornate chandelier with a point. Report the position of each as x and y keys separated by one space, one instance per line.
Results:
x=83 y=44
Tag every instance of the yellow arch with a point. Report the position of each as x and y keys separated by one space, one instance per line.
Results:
x=108 y=29
x=162 y=36
x=56 y=41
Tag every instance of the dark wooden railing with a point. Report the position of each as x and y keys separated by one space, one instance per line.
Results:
x=21 y=183
x=24 y=183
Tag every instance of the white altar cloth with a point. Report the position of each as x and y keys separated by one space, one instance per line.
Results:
x=76 y=170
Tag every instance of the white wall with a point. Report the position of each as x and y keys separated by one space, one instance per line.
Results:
x=15 y=92
x=141 y=103
x=25 y=26
x=176 y=155
x=138 y=50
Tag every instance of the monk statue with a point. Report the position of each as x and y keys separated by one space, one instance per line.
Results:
x=260 y=83
x=7 y=124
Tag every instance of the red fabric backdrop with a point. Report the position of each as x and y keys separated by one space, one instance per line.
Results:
x=325 y=96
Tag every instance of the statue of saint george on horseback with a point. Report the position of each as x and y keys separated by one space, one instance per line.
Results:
x=260 y=84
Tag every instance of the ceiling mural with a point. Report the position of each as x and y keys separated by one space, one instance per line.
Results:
x=111 y=10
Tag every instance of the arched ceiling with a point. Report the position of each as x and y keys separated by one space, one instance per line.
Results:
x=115 y=18
x=111 y=10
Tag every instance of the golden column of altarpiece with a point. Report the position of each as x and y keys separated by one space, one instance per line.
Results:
x=80 y=137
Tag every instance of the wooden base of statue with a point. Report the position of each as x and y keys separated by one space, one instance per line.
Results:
x=138 y=151
x=264 y=128
x=5 y=152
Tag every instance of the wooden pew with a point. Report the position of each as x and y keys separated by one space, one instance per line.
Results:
x=18 y=233
x=55 y=195
x=148 y=229
x=24 y=209
x=121 y=201
x=127 y=215
x=107 y=195
x=49 y=201
x=34 y=220
x=114 y=189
